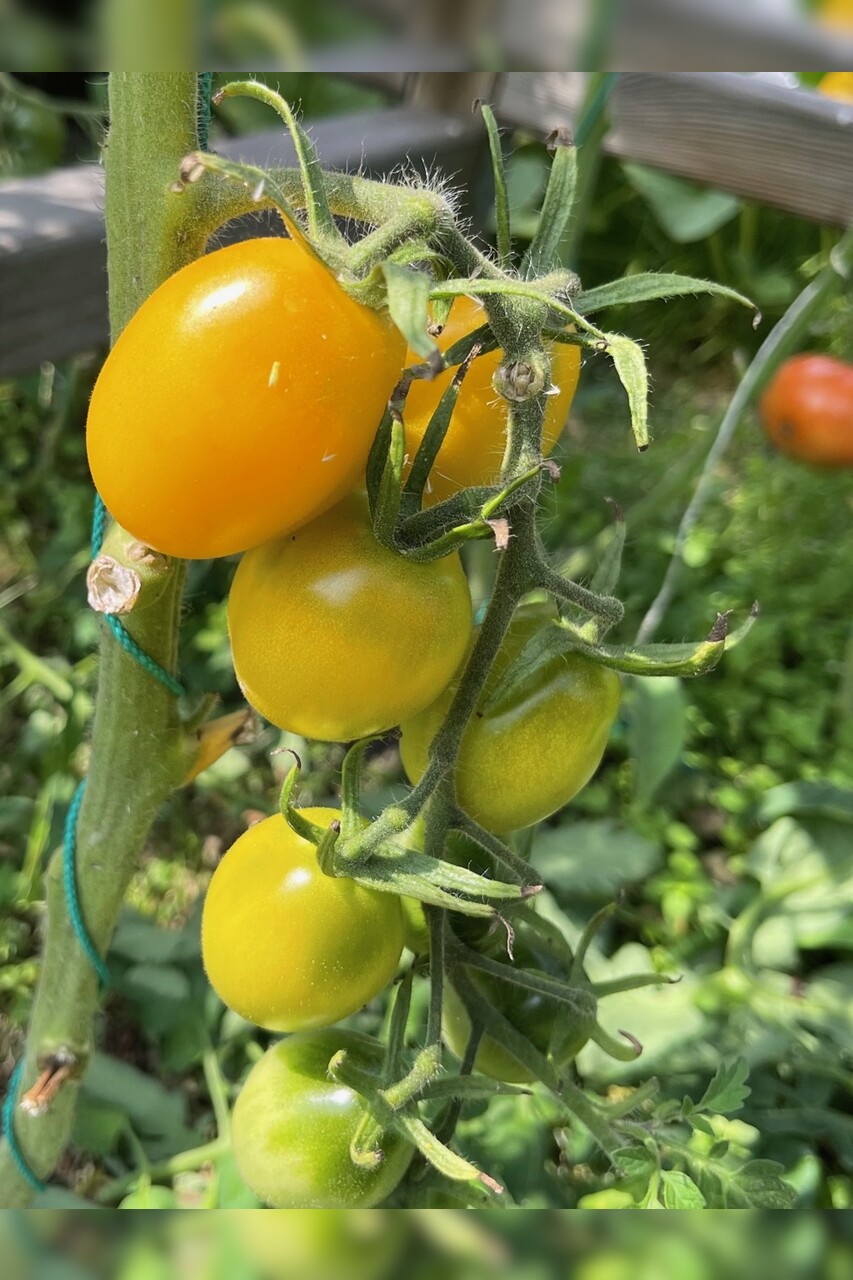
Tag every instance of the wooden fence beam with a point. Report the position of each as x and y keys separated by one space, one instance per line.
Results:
x=53 y=290
x=788 y=147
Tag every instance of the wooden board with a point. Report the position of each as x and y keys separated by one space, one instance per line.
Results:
x=788 y=147
x=52 y=251
x=548 y=35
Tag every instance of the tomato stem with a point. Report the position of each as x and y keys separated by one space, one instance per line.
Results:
x=164 y=1170
x=321 y=225
x=218 y=1091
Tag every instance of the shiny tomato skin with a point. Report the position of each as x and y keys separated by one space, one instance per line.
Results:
x=473 y=448
x=292 y=1126
x=524 y=761
x=288 y=947
x=807 y=410
x=240 y=401
x=335 y=637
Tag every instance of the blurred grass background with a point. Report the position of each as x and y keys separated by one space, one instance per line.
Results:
x=378 y=1245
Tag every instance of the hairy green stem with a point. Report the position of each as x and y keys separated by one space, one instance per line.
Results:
x=137 y=756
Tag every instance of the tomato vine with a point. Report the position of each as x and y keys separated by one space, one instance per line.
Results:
x=164 y=200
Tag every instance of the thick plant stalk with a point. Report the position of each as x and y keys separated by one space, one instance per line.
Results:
x=137 y=740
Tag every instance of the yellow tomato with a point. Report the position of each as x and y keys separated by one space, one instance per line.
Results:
x=838 y=84
x=335 y=637
x=240 y=401
x=837 y=14
x=473 y=448
x=288 y=947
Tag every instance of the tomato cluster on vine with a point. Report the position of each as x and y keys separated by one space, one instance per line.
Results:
x=249 y=388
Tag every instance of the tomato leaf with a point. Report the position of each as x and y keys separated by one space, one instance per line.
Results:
x=156 y=1113
x=727 y=1091
x=433 y=439
x=759 y=1185
x=646 y=286
x=295 y=820
x=691 y=659
x=804 y=798
x=557 y=640
x=499 y=178
x=635 y=1161
x=630 y=364
x=656 y=734
x=606 y=575
x=686 y=211
x=408 y=302
x=580 y=1000
x=442 y=884
x=556 y=207
x=140 y=940
x=470 y=1088
x=385 y=509
x=98 y=1126
x=545 y=643
x=263 y=185
x=377 y=459
x=483 y=338
x=681 y=1192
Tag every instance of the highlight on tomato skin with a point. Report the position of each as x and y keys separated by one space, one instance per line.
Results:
x=335 y=637
x=240 y=401
x=283 y=944
x=473 y=448
x=807 y=410
x=293 y=1123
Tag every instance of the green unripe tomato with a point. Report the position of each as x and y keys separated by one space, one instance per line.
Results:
x=293 y=1244
x=293 y=1124
x=415 y=927
x=525 y=759
x=558 y=1031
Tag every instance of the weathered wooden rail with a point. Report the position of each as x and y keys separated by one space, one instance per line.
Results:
x=787 y=147
x=53 y=289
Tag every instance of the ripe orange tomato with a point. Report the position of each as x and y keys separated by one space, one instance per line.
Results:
x=288 y=947
x=521 y=762
x=240 y=401
x=807 y=410
x=335 y=637
x=473 y=448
